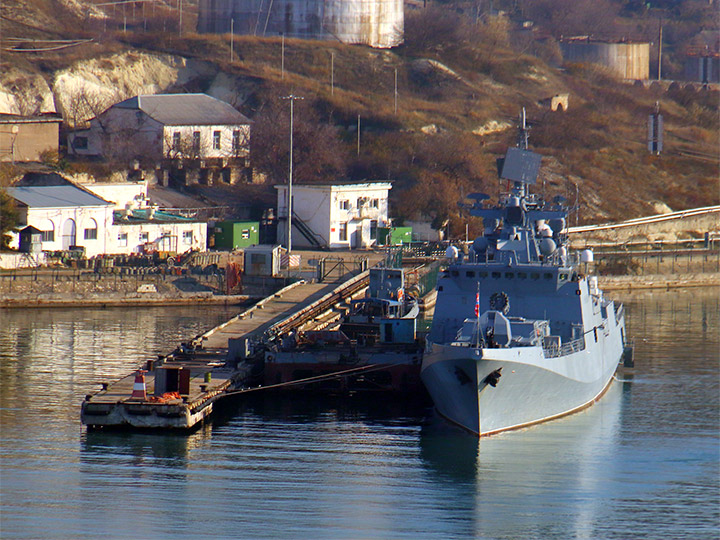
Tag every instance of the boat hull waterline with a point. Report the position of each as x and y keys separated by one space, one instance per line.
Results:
x=531 y=389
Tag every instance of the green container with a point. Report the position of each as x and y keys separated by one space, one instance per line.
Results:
x=394 y=236
x=236 y=234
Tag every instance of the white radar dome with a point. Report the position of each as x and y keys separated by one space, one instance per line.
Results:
x=586 y=256
x=451 y=252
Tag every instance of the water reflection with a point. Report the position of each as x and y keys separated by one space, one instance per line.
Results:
x=540 y=480
x=640 y=463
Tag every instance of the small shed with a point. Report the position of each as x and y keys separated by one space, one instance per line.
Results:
x=236 y=234
x=262 y=260
x=31 y=240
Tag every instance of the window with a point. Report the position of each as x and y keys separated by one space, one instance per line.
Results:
x=245 y=234
x=196 y=142
x=522 y=275
x=496 y=275
x=470 y=274
x=216 y=140
x=80 y=143
x=375 y=203
x=373 y=229
x=236 y=140
x=176 y=141
x=343 y=231
x=48 y=236
x=122 y=239
x=534 y=275
x=548 y=275
x=91 y=230
x=144 y=237
x=187 y=237
x=344 y=205
x=509 y=275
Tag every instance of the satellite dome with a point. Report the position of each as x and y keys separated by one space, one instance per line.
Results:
x=547 y=246
x=480 y=244
x=557 y=225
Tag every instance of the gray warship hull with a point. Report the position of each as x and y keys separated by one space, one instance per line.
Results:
x=533 y=388
x=519 y=334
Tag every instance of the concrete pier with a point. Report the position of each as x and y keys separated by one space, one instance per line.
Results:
x=182 y=387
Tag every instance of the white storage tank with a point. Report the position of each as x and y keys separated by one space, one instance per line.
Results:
x=377 y=23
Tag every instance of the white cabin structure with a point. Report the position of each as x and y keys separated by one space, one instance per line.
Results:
x=71 y=217
x=341 y=216
x=68 y=216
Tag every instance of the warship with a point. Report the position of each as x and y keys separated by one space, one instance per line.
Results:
x=519 y=335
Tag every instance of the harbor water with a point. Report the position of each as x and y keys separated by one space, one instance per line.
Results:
x=641 y=463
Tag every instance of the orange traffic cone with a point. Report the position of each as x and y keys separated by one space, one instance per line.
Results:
x=139 y=386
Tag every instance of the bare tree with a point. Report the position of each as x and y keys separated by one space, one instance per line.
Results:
x=318 y=152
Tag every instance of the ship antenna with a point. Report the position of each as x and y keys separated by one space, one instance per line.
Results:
x=524 y=132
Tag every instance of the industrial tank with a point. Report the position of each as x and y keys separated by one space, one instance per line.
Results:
x=630 y=60
x=378 y=23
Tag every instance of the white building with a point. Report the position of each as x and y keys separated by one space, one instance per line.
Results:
x=67 y=216
x=335 y=216
x=70 y=216
x=121 y=194
x=174 y=126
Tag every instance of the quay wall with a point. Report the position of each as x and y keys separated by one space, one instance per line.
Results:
x=55 y=289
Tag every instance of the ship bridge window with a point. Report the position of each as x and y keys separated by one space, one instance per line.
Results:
x=563 y=277
x=534 y=275
x=455 y=273
x=482 y=274
x=509 y=275
x=470 y=273
x=522 y=275
x=548 y=275
x=496 y=275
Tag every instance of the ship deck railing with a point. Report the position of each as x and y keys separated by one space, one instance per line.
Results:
x=570 y=347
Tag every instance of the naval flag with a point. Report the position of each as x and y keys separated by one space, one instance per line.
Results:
x=477 y=304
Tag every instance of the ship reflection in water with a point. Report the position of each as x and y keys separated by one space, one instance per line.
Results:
x=553 y=478
x=640 y=463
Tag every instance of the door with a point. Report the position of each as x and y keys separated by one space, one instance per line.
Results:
x=68 y=234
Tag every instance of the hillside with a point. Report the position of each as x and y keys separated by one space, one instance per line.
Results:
x=461 y=85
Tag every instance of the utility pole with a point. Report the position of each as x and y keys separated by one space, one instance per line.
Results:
x=396 y=94
x=332 y=73
x=232 y=38
x=180 y=18
x=292 y=98
x=660 y=51
x=358 y=141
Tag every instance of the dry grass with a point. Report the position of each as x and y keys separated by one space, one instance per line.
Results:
x=599 y=143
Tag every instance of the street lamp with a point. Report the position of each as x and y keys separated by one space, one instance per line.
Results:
x=292 y=98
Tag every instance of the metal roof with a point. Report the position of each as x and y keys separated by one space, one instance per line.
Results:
x=185 y=109
x=55 y=196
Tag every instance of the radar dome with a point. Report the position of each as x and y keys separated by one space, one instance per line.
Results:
x=480 y=244
x=586 y=256
x=547 y=246
x=451 y=252
x=557 y=225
